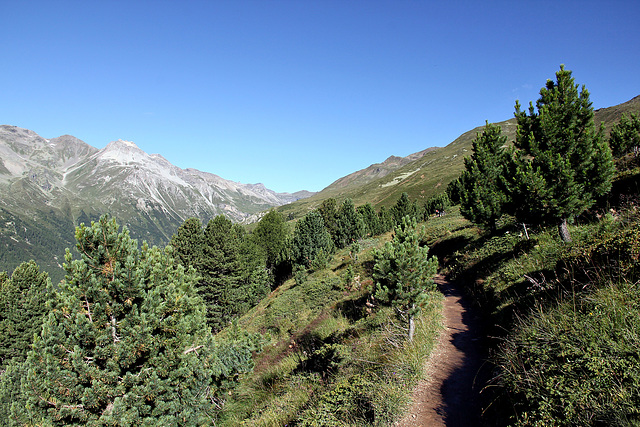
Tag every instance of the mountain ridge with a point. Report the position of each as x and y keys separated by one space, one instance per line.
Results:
x=64 y=181
x=431 y=170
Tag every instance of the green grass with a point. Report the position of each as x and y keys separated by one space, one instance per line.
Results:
x=566 y=316
x=332 y=355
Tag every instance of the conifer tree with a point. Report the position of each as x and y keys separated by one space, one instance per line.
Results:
x=625 y=136
x=125 y=341
x=23 y=299
x=310 y=239
x=272 y=237
x=188 y=243
x=403 y=207
x=404 y=273
x=387 y=221
x=483 y=193
x=565 y=162
x=233 y=272
x=328 y=209
x=349 y=226
x=371 y=220
x=437 y=203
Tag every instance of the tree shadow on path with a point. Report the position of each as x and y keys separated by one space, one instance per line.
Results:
x=460 y=391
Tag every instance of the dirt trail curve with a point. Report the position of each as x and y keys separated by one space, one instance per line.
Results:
x=450 y=395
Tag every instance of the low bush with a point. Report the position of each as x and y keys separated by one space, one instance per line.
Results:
x=579 y=363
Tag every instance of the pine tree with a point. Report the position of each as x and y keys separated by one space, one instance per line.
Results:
x=125 y=341
x=625 y=136
x=565 y=162
x=188 y=243
x=404 y=273
x=437 y=203
x=371 y=220
x=483 y=193
x=233 y=272
x=349 y=226
x=310 y=240
x=22 y=310
x=272 y=237
x=328 y=209
x=387 y=221
x=403 y=207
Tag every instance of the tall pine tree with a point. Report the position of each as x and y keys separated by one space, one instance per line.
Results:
x=565 y=162
x=233 y=272
x=272 y=237
x=310 y=239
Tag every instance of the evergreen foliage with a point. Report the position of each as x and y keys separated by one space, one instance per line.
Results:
x=310 y=240
x=565 y=162
x=387 y=222
x=403 y=207
x=404 y=273
x=125 y=342
x=349 y=226
x=372 y=223
x=625 y=136
x=483 y=194
x=234 y=278
x=329 y=212
x=22 y=310
x=438 y=203
x=188 y=242
x=271 y=235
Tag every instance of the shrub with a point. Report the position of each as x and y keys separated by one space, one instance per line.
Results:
x=579 y=363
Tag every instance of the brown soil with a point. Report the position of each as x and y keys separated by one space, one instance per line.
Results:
x=450 y=394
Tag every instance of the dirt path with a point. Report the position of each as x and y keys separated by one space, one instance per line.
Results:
x=450 y=394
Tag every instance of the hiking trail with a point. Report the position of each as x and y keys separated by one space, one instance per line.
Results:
x=450 y=393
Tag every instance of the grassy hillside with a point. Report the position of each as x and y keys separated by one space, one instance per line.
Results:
x=564 y=316
x=332 y=355
x=429 y=174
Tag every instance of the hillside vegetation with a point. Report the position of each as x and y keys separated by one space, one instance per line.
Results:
x=327 y=320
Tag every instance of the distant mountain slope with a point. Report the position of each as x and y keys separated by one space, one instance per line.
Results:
x=376 y=171
x=429 y=174
x=64 y=181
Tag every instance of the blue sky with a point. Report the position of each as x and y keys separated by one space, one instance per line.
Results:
x=296 y=94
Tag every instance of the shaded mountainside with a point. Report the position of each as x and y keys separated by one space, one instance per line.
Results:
x=427 y=173
x=48 y=186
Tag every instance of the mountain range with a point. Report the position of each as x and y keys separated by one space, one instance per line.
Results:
x=49 y=186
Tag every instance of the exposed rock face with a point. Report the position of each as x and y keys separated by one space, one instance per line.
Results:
x=71 y=181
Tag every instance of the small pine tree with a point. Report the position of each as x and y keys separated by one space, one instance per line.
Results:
x=272 y=237
x=483 y=194
x=403 y=207
x=125 y=341
x=370 y=219
x=310 y=240
x=349 y=226
x=404 y=273
x=625 y=136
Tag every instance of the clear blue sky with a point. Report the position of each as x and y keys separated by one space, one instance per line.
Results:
x=296 y=94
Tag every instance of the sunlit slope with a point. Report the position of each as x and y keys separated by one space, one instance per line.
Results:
x=430 y=174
